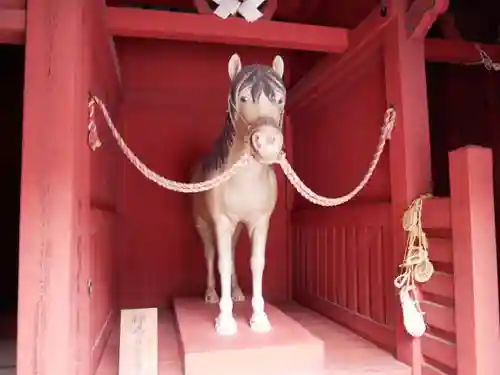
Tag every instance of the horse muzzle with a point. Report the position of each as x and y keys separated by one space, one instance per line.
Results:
x=266 y=142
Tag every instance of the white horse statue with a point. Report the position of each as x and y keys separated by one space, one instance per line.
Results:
x=254 y=122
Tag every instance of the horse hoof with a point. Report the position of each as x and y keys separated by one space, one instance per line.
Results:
x=237 y=295
x=260 y=323
x=211 y=296
x=226 y=325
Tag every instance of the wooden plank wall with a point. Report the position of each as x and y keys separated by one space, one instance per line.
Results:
x=343 y=267
x=344 y=263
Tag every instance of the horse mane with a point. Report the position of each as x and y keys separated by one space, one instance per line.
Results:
x=261 y=79
x=220 y=150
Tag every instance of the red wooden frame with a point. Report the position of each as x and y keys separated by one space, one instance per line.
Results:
x=457 y=51
x=131 y=22
x=59 y=331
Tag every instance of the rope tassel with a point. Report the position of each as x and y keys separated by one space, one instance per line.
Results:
x=416 y=267
x=93 y=137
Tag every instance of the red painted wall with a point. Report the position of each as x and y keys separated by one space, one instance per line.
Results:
x=174 y=102
x=342 y=257
x=335 y=137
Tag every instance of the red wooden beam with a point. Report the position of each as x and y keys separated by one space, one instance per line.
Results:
x=130 y=22
x=325 y=75
x=421 y=15
x=12 y=26
x=457 y=51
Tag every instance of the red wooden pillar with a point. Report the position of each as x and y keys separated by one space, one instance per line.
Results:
x=475 y=261
x=54 y=108
x=410 y=163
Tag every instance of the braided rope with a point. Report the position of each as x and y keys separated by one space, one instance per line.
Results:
x=180 y=187
x=307 y=193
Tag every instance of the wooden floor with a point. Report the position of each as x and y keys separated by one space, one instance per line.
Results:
x=347 y=353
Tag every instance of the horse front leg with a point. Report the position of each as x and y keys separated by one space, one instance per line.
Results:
x=258 y=234
x=236 y=292
x=225 y=323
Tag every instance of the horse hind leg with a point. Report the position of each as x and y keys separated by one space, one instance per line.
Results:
x=207 y=239
x=236 y=293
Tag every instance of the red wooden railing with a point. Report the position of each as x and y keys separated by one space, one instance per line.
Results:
x=438 y=345
x=461 y=300
x=344 y=267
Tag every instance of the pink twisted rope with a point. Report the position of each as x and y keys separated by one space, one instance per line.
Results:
x=180 y=187
x=311 y=196
x=94 y=142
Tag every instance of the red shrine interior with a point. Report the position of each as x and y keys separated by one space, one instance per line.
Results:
x=143 y=248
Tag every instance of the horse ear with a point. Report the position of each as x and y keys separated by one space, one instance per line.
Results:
x=279 y=65
x=234 y=66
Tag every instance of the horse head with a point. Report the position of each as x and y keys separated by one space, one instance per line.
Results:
x=256 y=106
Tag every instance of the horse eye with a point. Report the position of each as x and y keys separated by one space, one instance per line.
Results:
x=243 y=99
x=280 y=101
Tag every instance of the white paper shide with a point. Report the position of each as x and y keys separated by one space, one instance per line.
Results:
x=249 y=9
